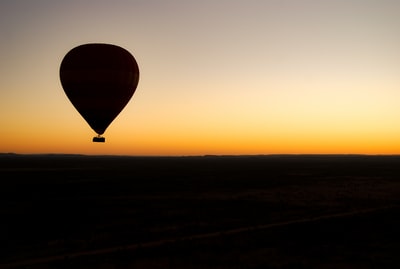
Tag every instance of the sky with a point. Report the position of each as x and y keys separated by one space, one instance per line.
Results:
x=216 y=76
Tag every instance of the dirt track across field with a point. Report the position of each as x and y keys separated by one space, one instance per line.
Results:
x=47 y=260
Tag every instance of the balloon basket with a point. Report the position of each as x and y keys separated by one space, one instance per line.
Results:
x=99 y=139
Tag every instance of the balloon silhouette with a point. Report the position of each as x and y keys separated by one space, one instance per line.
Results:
x=99 y=80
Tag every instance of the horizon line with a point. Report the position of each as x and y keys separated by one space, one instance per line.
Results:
x=203 y=155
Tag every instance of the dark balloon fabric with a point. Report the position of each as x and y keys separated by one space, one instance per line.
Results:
x=99 y=80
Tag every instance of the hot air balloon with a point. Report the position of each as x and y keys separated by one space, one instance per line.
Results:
x=99 y=79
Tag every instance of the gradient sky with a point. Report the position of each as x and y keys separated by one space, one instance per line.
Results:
x=217 y=76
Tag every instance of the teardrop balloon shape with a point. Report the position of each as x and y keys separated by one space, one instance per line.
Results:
x=99 y=80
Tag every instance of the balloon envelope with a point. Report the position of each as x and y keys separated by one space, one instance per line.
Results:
x=99 y=80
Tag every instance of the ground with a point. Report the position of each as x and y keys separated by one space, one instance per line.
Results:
x=275 y=211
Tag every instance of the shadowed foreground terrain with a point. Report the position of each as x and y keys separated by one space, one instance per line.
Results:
x=278 y=211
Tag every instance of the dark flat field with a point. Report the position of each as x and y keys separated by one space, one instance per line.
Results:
x=273 y=211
